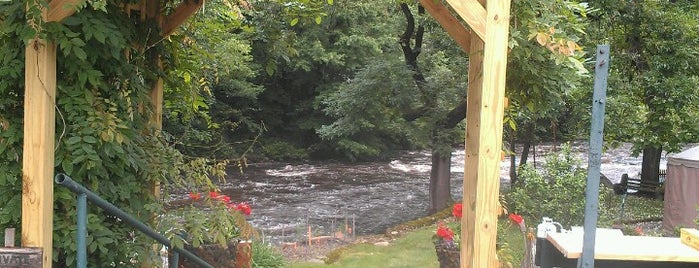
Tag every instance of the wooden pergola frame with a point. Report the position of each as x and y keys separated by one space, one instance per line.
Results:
x=486 y=44
x=39 y=118
x=485 y=40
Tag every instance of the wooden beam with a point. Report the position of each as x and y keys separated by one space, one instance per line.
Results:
x=471 y=149
x=451 y=24
x=61 y=9
x=473 y=13
x=153 y=9
x=484 y=138
x=38 y=149
x=180 y=15
x=156 y=96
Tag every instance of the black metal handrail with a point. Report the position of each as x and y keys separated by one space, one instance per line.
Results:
x=84 y=194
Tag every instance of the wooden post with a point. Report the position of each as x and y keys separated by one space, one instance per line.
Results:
x=156 y=96
x=10 y=237
x=485 y=110
x=38 y=155
x=39 y=134
x=451 y=25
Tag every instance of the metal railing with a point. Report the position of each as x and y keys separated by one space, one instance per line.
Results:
x=84 y=194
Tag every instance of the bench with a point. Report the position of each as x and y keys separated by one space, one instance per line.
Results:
x=635 y=186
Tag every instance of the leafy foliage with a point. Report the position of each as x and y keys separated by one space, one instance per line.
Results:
x=265 y=256
x=106 y=66
x=654 y=94
x=546 y=70
x=556 y=191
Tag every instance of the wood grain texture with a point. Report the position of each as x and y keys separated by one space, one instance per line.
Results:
x=180 y=15
x=484 y=139
x=449 y=23
x=38 y=156
x=631 y=248
x=690 y=237
x=471 y=175
x=61 y=9
x=9 y=237
x=473 y=13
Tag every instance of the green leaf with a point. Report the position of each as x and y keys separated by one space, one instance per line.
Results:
x=294 y=21
x=73 y=140
x=89 y=139
x=72 y=21
x=79 y=53
x=99 y=36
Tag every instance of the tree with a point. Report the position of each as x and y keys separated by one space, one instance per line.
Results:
x=108 y=61
x=545 y=74
x=380 y=102
x=654 y=45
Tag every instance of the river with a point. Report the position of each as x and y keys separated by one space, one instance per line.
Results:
x=330 y=196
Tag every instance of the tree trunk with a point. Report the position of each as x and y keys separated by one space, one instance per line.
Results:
x=440 y=182
x=526 y=147
x=650 y=168
x=513 y=163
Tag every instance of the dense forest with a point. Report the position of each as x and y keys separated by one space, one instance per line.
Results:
x=362 y=80
x=367 y=79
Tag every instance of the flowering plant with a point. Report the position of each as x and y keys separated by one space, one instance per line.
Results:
x=208 y=218
x=447 y=234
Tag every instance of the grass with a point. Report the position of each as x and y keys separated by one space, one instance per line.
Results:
x=414 y=249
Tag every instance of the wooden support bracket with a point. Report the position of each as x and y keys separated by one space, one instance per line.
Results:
x=180 y=15
x=473 y=13
x=61 y=9
x=451 y=24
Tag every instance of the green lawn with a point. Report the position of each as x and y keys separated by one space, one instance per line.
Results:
x=414 y=249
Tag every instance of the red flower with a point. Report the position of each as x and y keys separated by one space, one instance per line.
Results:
x=516 y=218
x=213 y=194
x=244 y=208
x=194 y=196
x=444 y=232
x=457 y=210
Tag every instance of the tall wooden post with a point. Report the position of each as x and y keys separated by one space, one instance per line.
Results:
x=39 y=134
x=486 y=102
x=38 y=148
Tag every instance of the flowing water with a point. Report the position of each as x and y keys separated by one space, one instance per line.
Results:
x=370 y=197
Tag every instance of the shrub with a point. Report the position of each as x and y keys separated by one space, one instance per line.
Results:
x=556 y=191
x=264 y=256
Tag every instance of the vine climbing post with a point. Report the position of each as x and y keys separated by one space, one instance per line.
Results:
x=38 y=154
x=39 y=132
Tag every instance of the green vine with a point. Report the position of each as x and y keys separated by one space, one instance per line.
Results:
x=106 y=66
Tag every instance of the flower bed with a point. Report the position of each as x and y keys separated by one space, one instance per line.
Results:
x=447 y=240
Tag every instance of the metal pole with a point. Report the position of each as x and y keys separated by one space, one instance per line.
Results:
x=175 y=259
x=599 y=98
x=64 y=180
x=82 y=231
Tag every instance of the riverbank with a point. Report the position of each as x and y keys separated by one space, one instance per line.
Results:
x=641 y=218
